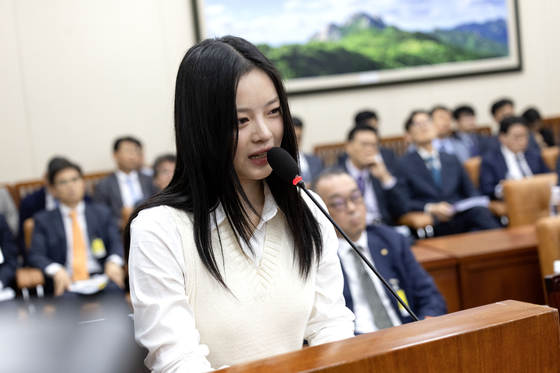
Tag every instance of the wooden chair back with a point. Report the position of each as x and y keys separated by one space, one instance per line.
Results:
x=552 y=288
x=548 y=235
x=472 y=166
x=552 y=124
x=24 y=189
x=550 y=156
x=527 y=200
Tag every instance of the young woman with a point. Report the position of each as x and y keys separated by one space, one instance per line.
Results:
x=229 y=263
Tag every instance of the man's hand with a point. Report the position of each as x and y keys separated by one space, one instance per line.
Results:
x=115 y=273
x=61 y=282
x=442 y=211
x=378 y=170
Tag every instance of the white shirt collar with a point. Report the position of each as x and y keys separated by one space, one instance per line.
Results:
x=354 y=172
x=270 y=209
x=508 y=153
x=344 y=247
x=133 y=175
x=65 y=210
x=424 y=154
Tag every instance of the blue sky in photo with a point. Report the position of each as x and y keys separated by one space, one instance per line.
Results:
x=278 y=22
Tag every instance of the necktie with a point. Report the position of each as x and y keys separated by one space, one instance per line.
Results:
x=79 y=264
x=473 y=146
x=436 y=172
x=518 y=158
x=133 y=193
x=380 y=315
x=360 y=182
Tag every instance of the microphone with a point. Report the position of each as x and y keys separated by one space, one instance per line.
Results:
x=287 y=169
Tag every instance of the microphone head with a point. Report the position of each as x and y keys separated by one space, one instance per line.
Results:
x=284 y=165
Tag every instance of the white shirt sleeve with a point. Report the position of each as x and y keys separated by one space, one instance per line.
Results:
x=330 y=319
x=164 y=321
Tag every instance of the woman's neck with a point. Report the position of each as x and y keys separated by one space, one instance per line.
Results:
x=254 y=190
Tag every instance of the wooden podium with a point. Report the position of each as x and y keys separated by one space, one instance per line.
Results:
x=508 y=336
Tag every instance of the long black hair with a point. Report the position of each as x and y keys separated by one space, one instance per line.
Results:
x=206 y=140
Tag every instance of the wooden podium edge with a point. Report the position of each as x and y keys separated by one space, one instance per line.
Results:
x=437 y=336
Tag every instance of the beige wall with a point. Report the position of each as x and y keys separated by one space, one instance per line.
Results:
x=76 y=74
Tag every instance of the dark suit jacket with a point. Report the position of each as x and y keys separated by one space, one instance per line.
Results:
x=493 y=169
x=315 y=165
x=422 y=188
x=392 y=202
x=49 y=239
x=28 y=206
x=9 y=251
x=401 y=268
x=107 y=192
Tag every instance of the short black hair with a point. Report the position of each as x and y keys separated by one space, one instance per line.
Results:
x=506 y=123
x=410 y=118
x=353 y=131
x=463 y=110
x=172 y=158
x=59 y=164
x=439 y=107
x=363 y=116
x=297 y=122
x=335 y=170
x=531 y=115
x=126 y=138
x=500 y=103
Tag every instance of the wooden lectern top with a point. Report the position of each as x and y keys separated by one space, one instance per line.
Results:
x=508 y=336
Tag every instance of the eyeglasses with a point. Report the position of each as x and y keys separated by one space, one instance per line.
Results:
x=63 y=183
x=341 y=204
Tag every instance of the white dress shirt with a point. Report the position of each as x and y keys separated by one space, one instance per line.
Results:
x=513 y=170
x=156 y=247
x=364 y=321
x=129 y=197
x=92 y=263
x=370 y=199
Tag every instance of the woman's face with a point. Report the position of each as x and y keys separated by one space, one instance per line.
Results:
x=260 y=123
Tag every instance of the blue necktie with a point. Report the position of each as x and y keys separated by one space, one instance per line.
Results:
x=133 y=193
x=360 y=183
x=436 y=171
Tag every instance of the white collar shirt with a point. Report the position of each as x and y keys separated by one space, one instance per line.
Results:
x=130 y=187
x=364 y=322
x=513 y=166
x=372 y=206
x=270 y=208
x=425 y=155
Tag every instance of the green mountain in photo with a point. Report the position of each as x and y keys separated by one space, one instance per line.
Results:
x=365 y=43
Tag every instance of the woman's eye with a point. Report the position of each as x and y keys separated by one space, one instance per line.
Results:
x=242 y=120
x=275 y=111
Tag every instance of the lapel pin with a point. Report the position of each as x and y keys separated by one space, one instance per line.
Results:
x=384 y=252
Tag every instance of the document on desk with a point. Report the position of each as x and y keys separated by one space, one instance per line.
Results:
x=7 y=294
x=469 y=203
x=91 y=286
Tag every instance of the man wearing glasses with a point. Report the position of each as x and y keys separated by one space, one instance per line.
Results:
x=76 y=241
x=373 y=169
x=437 y=184
x=512 y=160
x=388 y=250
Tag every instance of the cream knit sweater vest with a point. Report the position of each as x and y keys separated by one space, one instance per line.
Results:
x=268 y=307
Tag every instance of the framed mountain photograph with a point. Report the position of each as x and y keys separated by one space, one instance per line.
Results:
x=322 y=45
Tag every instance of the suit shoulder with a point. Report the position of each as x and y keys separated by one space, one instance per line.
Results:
x=98 y=208
x=45 y=216
x=383 y=231
x=106 y=180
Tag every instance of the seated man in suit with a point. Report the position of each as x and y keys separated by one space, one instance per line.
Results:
x=76 y=240
x=467 y=142
x=164 y=168
x=436 y=180
x=366 y=118
x=512 y=160
x=8 y=254
x=41 y=199
x=309 y=164
x=543 y=136
x=374 y=170
x=126 y=187
x=374 y=306
x=502 y=109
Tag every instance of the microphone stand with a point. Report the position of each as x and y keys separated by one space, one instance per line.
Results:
x=302 y=186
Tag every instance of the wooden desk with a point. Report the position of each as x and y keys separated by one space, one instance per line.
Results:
x=443 y=268
x=494 y=265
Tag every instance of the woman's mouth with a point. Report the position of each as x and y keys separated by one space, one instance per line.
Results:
x=258 y=156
